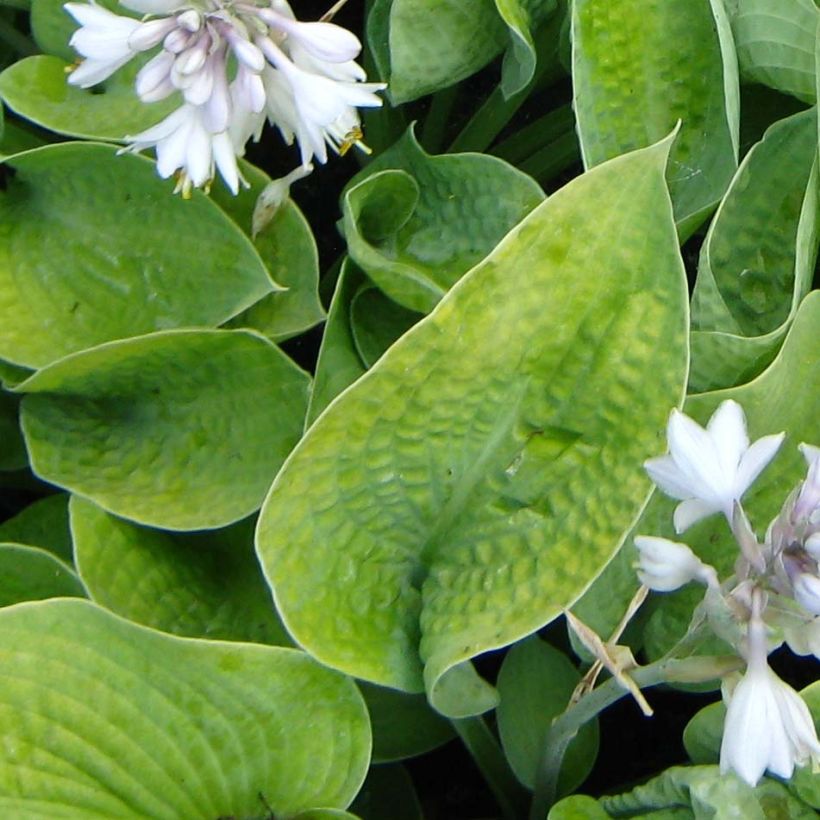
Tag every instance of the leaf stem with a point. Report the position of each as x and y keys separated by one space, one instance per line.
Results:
x=566 y=726
x=438 y=118
x=552 y=159
x=496 y=111
x=528 y=140
x=512 y=797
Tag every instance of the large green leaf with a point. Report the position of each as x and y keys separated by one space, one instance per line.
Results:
x=42 y=524
x=104 y=718
x=93 y=248
x=37 y=89
x=415 y=223
x=287 y=247
x=775 y=43
x=466 y=488
x=639 y=66
x=182 y=429
x=203 y=585
x=32 y=574
x=758 y=259
x=535 y=684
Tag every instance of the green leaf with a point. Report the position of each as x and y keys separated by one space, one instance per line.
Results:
x=535 y=684
x=17 y=138
x=13 y=454
x=175 y=727
x=775 y=44
x=463 y=491
x=339 y=363
x=93 y=248
x=710 y=794
x=52 y=26
x=181 y=430
x=287 y=248
x=32 y=574
x=388 y=793
x=631 y=85
x=403 y=725
x=784 y=397
x=415 y=222
x=37 y=88
x=522 y=18
x=704 y=733
x=42 y=524
x=805 y=783
x=578 y=807
x=758 y=259
x=376 y=322
x=202 y=585
x=436 y=43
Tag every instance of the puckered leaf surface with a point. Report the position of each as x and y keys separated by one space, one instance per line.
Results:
x=472 y=483
x=638 y=68
x=758 y=259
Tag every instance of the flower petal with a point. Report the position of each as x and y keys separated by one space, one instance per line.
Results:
x=691 y=511
x=754 y=460
x=152 y=6
x=665 y=472
x=727 y=428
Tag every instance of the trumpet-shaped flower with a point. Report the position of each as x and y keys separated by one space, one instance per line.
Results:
x=666 y=565
x=183 y=141
x=710 y=469
x=233 y=63
x=768 y=725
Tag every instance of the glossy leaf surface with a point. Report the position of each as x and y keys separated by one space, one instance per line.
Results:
x=93 y=248
x=182 y=430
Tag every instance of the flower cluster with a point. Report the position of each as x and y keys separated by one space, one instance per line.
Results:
x=773 y=595
x=234 y=65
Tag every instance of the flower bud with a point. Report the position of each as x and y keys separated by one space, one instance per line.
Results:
x=807 y=592
x=667 y=565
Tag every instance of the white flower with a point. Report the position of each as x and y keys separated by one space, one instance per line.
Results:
x=710 y=469
x=273 y=196
x=808 y=500
x=768 y=725
x=319 y=109
x=667 y=565
x=807 y=592
x=233 y=63
x=103 y=39
x=184 y=143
